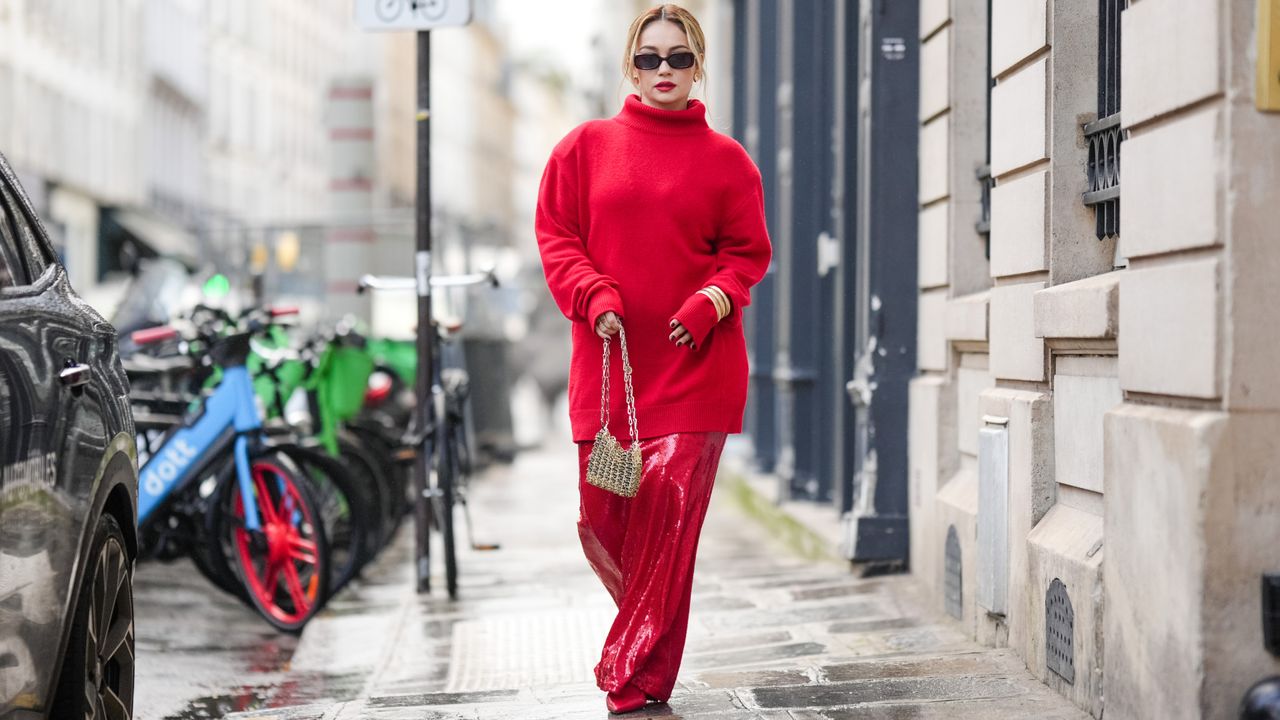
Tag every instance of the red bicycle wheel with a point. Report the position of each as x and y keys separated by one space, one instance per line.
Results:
x=284 y=566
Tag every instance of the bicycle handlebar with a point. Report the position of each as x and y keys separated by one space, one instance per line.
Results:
x=392 y=282
x=148 y=336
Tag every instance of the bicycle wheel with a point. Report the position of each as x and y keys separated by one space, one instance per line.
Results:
x=211 y=561
x=375 y=453
x=362 y=459
x=284 y=566
x=212 y=550
x=446 y=477
x=346 y=510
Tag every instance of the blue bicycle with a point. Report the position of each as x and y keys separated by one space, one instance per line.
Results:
x=265 y=528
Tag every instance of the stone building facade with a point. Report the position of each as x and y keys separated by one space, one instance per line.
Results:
x=1093 y=465
x=72 y=93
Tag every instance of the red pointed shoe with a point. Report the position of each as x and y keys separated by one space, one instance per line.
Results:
x=628 y=698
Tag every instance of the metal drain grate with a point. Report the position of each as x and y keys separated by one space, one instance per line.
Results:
x=527 y=649
x=1059 y=632
x=954 y=581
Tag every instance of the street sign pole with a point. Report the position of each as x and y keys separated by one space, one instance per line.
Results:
x=421 y=16
x=426 y=361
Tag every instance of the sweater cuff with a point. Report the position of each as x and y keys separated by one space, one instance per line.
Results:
x=602 y=301
x=698 y=315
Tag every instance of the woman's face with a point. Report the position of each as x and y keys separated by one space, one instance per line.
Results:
x=665 y=87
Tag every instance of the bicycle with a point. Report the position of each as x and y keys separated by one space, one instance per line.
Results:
x=445 y=437
x=355 y=494
x=267 y=511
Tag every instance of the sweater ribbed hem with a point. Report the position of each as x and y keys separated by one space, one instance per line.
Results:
x=604 y=299
x=656 y=421
x=698 y=315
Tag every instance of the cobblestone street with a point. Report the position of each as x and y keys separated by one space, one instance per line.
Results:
x=771 y=635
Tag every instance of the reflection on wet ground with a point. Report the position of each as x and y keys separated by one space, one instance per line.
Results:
x=204 y=654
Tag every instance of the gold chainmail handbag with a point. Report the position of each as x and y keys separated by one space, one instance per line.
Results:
x=610 y=467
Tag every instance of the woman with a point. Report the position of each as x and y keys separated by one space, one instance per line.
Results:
x=653 y=221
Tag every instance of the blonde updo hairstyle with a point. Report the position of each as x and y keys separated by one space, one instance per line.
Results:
x=670 y=12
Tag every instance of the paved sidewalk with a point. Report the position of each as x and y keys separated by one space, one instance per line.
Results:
x=771 y=636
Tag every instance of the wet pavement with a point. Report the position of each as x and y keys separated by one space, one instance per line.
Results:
x=204 y=654
x=771 y=635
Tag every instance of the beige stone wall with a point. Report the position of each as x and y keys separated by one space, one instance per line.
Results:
x=1136 y=376
x=1193 y=334
x=953 y=305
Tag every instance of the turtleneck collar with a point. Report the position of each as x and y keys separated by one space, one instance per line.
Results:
x=693 y=119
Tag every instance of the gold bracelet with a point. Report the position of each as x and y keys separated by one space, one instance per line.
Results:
x=715 y=303
x=724 y=300
x=719 y=299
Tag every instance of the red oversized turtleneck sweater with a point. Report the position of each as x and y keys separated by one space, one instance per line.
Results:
x=636 y=213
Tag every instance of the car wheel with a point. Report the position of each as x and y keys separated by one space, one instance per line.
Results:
x=98 y=669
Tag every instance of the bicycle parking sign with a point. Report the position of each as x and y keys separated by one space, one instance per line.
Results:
x=412 y=14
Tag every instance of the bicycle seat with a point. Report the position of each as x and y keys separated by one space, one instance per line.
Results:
x=449 y=328
x=455 y=381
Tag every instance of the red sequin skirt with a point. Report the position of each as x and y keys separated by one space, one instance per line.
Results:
x=643 y=550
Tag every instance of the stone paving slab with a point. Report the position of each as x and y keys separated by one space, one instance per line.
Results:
x=772 y=635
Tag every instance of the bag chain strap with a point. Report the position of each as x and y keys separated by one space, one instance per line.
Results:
x=626 y=380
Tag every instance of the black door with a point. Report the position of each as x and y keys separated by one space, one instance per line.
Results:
x=885 y=324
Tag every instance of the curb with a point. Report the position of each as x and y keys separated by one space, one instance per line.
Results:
x=779 y=520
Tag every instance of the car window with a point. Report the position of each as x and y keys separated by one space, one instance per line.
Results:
x=31 y=253
x=11 y=269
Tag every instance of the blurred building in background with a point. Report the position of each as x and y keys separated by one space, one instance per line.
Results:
x=183 y=128
x=176 y=62
x=274 y=141
x=73 y=96
x=274 y=69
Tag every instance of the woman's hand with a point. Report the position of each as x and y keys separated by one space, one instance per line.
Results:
x=680 y=335
x=608 y=325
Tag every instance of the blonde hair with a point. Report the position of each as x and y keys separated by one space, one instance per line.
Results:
x=672 y=13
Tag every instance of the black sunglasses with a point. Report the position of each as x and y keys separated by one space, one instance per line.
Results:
x=652 y=61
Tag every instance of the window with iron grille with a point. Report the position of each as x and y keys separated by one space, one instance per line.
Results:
x=1104 y=135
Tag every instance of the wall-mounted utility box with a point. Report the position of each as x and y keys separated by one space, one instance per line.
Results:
x=1268 y=55
x=993 y=515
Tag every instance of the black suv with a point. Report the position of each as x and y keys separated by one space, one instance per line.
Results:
x=68 y=488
